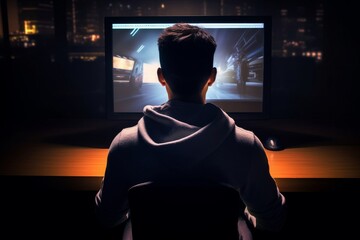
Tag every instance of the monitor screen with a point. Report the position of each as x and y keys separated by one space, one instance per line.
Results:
x=242 y=59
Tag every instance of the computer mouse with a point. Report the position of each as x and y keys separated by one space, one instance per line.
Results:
x=273 y=143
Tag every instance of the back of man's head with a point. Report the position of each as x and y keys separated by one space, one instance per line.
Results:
x=186 y=57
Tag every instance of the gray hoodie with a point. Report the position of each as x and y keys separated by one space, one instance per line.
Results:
x=187 y=141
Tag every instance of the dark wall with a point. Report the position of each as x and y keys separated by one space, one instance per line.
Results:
x=295 y=90
x=342 y=62
x=329 y=91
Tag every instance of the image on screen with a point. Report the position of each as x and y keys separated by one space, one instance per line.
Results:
x=239 y=59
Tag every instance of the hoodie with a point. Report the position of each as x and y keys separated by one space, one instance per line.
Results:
x=184 y=141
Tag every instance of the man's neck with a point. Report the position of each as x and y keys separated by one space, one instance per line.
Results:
x=191 y=99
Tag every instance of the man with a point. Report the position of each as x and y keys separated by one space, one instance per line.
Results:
x=187 y=138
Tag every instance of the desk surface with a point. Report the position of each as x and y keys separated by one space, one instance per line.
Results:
x=78 y=149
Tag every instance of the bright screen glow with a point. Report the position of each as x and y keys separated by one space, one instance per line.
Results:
x=239 y=59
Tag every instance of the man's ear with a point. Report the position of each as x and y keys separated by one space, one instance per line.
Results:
x=212 y=76
x=161 y=77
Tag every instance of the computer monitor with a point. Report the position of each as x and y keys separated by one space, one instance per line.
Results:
x=242 y=59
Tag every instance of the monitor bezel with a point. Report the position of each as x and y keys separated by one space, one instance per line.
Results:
x=266 y=20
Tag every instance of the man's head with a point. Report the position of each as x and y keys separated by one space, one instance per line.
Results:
x=186 y=57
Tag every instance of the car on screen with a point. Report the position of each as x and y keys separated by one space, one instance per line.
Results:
x=241 y=72
x=127 y=70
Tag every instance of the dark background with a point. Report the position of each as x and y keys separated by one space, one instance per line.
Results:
x=40 y=83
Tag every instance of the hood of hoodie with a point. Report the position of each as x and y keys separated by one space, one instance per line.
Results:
x=181 y=130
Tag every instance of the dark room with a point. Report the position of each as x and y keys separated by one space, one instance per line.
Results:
x=73 y=78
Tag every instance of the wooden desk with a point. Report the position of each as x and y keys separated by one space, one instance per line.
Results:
x=64 y=151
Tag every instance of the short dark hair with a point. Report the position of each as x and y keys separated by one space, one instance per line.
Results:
x=186 y=57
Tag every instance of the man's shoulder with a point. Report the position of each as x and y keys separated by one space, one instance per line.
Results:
x=244 y=135
x=126 y=136
x=129 y=130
